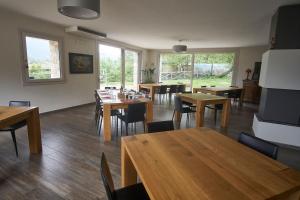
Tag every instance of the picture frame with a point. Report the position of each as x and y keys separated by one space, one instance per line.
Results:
x=81 y=63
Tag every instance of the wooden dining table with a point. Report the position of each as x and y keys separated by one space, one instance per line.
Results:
x=13 y=115
x=201 y=100
x=152 y=87
x=113 y=102
x=202 y=164
x=220 y=91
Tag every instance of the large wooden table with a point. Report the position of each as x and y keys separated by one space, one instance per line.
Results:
x=152 y=87
x=221 y=91
x=200 y=163
x=201 y=100
x=117 y=103
x=13 y=115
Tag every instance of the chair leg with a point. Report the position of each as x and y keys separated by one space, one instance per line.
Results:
x=100 y=125
x=173 y=115
x=13 y=135
x=216 y=115
x=117 y=126
x=144 y=126
x=126 y=124
x=134 y=127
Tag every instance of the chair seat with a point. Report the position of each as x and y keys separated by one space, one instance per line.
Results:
x=133 y=192
x=14 y=126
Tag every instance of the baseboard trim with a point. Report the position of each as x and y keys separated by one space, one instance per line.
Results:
x=68 y=108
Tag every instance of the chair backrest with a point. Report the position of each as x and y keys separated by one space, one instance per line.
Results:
x=212 y=86
x=107 y=178
x=235 y=94
x=203 y=85
x=160 y=126
x=180 y=88
x=107 y=88
x=162 y=89
x=173 y=89
x=136 y=112
x=19 y=103
x=262 y=146
x=178 y=103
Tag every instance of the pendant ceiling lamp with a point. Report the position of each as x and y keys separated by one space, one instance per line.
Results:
x=179 y=48
x=79 y=9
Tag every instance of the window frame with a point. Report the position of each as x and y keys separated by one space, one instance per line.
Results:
x=24 y=65
x=123 y=49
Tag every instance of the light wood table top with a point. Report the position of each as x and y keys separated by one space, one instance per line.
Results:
x=215 y=90
x=13 y=115
x=201 y=163
x=221 y=91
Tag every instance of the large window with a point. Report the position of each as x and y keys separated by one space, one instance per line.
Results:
x=110 y=66
x=176 y=68
x=42 y=58
x=118 y=67
x=197 y=69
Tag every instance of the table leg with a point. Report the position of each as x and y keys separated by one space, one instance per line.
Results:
x=128 y=172
x=225 y=113
x=34 y=132
x=152 y=93
x=149 y=111
x=200 y=108
x=106 y=122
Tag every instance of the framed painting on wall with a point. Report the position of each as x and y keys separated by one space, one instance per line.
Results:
x=80 y=63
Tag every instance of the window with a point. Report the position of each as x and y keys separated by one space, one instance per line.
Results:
x=110 y=66
x=131 y=69
x=197 y=69
x=42 y=59
x=118 y=67
x=176 y=68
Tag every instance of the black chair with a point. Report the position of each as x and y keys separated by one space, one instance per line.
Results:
x=160 y=126
x=133 y=192
x=172 y=90
x=134 y=113
x=234 y=94
x=161 y=91
x=99 y=114
x=18 y=125
x=216 y=108
x=181 y=108
x=203 y=86
x=180 y=88
x=212 y=86
x=267 y=148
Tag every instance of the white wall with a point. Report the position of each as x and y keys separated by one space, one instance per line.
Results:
x=77 y=88
x=246 y=57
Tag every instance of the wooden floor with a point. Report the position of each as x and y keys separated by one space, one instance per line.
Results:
x=69 y=165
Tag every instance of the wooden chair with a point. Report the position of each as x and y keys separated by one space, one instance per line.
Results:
x=160 y=126
x=18 y=125
x=267 y=148
x=133 y=192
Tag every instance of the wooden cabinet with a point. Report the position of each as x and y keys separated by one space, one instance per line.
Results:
x=251 y=91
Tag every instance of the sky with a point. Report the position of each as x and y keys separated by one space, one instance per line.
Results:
x=37 y=48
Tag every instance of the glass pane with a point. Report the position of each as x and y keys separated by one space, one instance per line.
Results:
x=213 y=69
x=110 y=66
x=176 y=68
x=42 y=58
x=131 y=67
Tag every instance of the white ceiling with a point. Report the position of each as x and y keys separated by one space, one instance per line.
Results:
x=158 y=24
